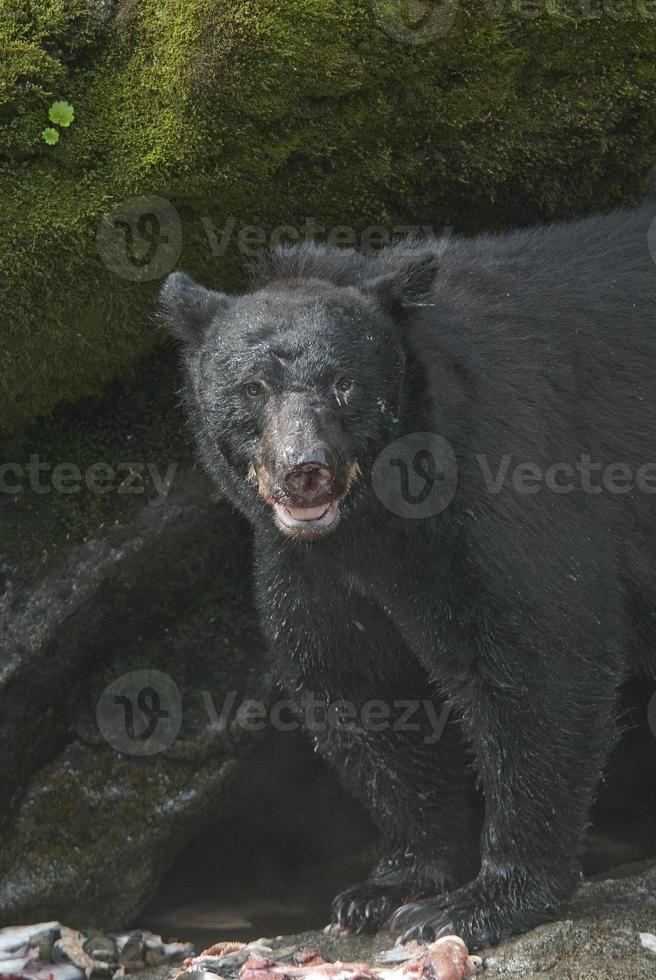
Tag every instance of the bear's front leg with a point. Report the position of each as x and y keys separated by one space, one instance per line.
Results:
x=418 y=787
x=420 y=791
x=540 y=751
x=398 y=751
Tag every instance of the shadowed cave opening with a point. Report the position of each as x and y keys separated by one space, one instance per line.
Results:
x=292 y=839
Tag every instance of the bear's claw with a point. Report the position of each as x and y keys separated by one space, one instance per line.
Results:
x=365 y=907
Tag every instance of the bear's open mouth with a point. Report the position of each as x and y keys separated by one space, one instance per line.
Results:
x=306 y=521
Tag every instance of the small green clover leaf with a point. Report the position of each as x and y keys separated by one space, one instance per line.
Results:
x=61 y=113
x=51 y=136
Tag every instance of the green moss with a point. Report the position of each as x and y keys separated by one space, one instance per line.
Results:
x=267 y=113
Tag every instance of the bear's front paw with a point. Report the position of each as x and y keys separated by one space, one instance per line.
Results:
x=403 y=878
x=365 y=907
x=482 y=913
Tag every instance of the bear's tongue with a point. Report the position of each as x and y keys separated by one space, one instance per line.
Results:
x=307 y=513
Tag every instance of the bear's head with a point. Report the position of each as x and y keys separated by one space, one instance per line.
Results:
x=295 y=387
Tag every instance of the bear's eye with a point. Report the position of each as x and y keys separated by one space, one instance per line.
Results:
x=345 y=384
x=254 y=389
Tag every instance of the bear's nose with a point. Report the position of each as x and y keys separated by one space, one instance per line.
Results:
x=309 y=478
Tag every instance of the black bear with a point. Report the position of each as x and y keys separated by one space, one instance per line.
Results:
x=447 y=451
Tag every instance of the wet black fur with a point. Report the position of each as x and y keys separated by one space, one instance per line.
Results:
x=523 y=612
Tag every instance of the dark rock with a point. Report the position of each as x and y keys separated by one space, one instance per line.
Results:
x=138 y=615
x=104 y=595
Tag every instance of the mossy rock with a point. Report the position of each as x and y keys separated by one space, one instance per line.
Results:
x=269 y=112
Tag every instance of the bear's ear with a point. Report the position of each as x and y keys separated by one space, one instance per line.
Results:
x=410 y=284
x=186 y=308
